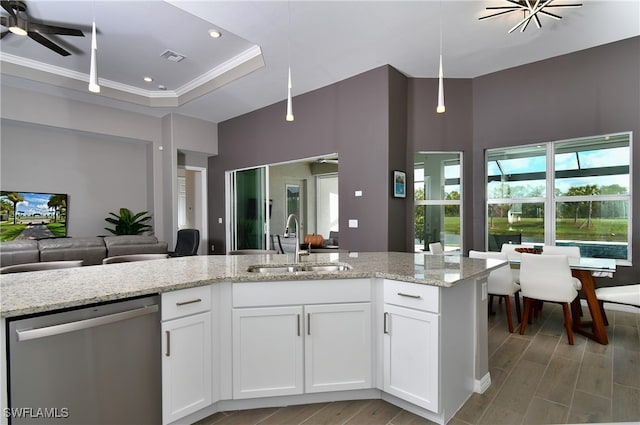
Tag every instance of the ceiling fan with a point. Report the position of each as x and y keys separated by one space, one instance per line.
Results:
x=20 y=23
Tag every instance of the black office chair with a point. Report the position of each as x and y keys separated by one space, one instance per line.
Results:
x=187 y=243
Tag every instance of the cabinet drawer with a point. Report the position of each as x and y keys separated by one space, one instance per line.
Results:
x=186 y=302
x=256 y=294
x=413 y=295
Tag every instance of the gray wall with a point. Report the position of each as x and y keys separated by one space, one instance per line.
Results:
x=592 y=92
x=92 y=169
x=351 y=118
x=428 y=131
x=377 y=120
x=85 y=123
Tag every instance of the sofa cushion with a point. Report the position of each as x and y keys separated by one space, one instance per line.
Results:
x=19 y=252
x=62 y=243
x=134 y=244
x=91 y=250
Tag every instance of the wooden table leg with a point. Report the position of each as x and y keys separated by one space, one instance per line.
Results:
x=598 y=331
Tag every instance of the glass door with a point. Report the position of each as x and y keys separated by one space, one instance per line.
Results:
x=249 y=209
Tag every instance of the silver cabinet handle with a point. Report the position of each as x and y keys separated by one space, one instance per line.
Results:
x=181 y=303
x=298 y=325
x=27 y=334
x=168 y=352
x=402 y=294
x=385 y=326
x=308 y=323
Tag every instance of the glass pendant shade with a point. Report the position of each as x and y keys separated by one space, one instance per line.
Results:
x=93 y=71
x=289 y=105
x=440 y=108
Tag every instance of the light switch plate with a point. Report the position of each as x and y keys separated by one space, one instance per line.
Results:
x=353 y=223
x=358 y=193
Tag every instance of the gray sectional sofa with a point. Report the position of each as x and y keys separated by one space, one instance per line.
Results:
x=91 y=250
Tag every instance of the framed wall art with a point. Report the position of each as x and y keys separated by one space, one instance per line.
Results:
x=399 y=184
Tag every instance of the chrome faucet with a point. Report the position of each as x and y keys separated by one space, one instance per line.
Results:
x=287 y=234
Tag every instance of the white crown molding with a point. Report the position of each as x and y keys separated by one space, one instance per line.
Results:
x=234 y=68
x=223 y=68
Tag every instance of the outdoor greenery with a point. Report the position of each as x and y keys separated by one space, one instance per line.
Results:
x=31 y=218
x=127 y=223
x=58 y=229
x=585 y=220
x=11 y=231
x=14 y=198
x=451 y=215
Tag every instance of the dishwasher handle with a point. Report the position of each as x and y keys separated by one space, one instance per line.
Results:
x=27 y=334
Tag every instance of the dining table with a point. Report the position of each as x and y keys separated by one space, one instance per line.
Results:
x=585 y=269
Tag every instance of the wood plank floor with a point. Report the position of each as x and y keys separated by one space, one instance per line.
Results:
x=537 y=378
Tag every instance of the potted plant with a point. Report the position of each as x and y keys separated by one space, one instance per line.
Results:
x=127 y=223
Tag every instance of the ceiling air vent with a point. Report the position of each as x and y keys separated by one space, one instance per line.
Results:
x=172 y=56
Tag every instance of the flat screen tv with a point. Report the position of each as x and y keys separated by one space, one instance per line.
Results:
x=32 y=215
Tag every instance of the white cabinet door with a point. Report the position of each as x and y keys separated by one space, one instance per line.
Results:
x=186 y=366
x=411 y=355
x=337 y=347
x=267 y=351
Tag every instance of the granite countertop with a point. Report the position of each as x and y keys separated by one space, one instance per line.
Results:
x=35 y=292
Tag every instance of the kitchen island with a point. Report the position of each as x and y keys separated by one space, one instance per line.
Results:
x=387 y=294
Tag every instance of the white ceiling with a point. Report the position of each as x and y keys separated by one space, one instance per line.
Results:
x=326 y=41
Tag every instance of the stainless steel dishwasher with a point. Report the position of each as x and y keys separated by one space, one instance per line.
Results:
x=93 y=365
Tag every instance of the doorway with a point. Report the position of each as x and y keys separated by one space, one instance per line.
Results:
x=192 y=202
x=261 y=198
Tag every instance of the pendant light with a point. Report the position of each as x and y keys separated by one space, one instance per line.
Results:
x=289 y=116
x=94 y=87
x=289 y=107
x=440 y=108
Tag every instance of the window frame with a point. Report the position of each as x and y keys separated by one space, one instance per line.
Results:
x=440 y=202
x=550 y=200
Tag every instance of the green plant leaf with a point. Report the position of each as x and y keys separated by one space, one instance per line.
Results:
x=127 y=223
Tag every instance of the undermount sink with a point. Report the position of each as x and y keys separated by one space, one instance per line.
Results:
x=274 y=269
x=292 y=268
x=327 y=267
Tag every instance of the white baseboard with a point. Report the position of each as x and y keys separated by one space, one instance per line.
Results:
x=480 y=386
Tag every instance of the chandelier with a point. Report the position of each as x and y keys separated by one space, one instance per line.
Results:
x=531 y=10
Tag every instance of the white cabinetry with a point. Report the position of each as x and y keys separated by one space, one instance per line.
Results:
x=267 y=351
x=309 y=345
x=337 y=347
x=186 y=352
x=411 y=343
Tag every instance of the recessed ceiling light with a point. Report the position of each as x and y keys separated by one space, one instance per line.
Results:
x=215 y=34
x=148 y=79
x=161 y=87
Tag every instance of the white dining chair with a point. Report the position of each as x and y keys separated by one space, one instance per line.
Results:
x=547 y=278
x=573 y=252
x=500 y=283
x=130 y=258
x=436 y=248
x=509 y=249
x=43 y=265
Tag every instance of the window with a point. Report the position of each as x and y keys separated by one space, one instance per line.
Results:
x=573 y=192
x=437 y=199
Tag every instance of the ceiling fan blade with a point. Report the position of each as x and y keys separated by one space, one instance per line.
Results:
x=7 y=6
x=52 y=29
x=48 y=43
